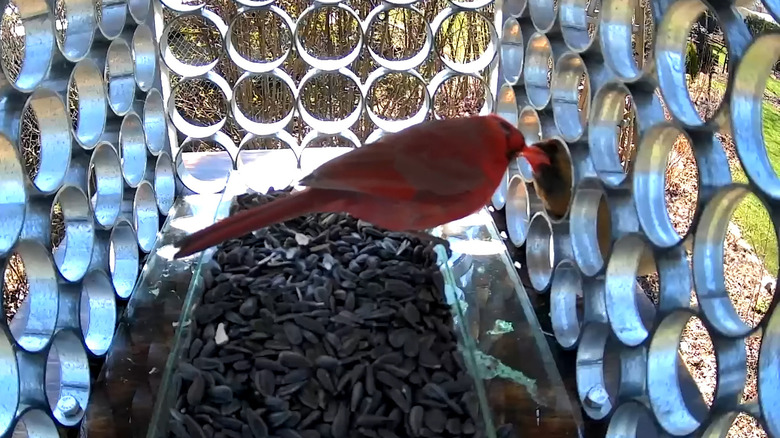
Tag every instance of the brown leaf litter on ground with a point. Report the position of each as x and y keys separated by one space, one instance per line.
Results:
x=749 y=284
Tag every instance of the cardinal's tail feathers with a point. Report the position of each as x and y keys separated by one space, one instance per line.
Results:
x=279 y=210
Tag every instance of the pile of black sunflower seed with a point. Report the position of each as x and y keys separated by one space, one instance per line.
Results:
x=323 y=326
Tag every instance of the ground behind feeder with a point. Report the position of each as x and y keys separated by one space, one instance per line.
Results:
x=323 y=326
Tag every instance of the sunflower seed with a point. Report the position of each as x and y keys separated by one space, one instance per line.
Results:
x=295 y=376
x=340 y=424
x=178 y=429
x=292 y=359
x=188 y=371
x=264 y=382
x=275 y=404
x=311 y=325
x=293 y=333
x=292 y=388
x=293 y=420
x=372 y=421
x=411 y=346
x=276 y=419
x=393 y=358
x=249 y=307
x=398 y=398
x=330 y=363
x=267 y=364
x=435 y=420
x=325 y=380
x=453 y=426
x=208 y=364
x=385 y=433
x=196 y=391
x=370 y=382
x=310 y=433
x=330 y=412
x=229 y=423
x=310 y=419
x=221 y=394
x=357 y=396
x=192 y=426
x=256 y=424
x=416 y=419
x=389 y=380
x=230 y=408
x=429 y=360
x=287 y=433
x=468 y=427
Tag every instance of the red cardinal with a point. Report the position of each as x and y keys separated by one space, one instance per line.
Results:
x=416 y=179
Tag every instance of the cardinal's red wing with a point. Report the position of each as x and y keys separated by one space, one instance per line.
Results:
x=423 y=162
x=369 y=169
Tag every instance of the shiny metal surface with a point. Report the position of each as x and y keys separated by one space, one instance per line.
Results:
x=152 y=110
x=522 y=203
x=55 y=142
x=9 y=381
x=116 y=252
x=105 y=169
x=111 y=18
x=623 y=312
x=143 y=48
x=540 y=252
x=126 y=135
x=35 y=423
x=619 y=225
x=708 y=271
x=33 y=325
x=119 y=76
x=97 y=312
x=73 y=254
x=666 y=397
x=140 y=208
x=632 y=419
x=75 y=41
x=37 y=24
x=218 y=178
x=161 y=175
x=90 y=97
x=75 y=71
x=90 y=308
x=132 y=149
x=67 y=378
x=746 y=111
x=13 y=200
x=565 y=295
x=139 y=11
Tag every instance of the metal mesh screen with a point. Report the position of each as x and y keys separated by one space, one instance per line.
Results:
x=294 y=82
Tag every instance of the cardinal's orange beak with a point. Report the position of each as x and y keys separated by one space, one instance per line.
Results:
x=536 y=157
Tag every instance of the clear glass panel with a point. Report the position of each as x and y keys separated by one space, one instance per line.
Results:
x=494 y=320
x=522 y=384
